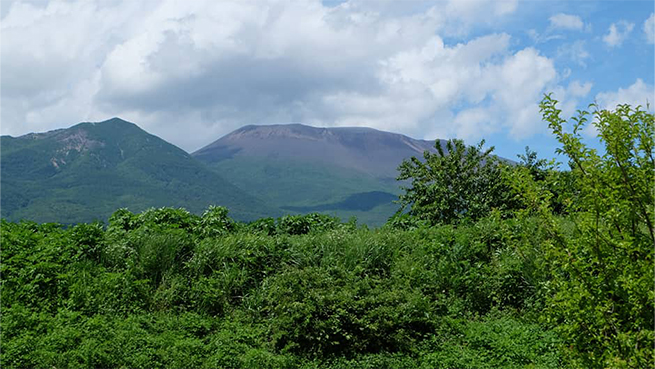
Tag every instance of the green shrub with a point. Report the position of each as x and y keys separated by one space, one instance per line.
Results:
x=304 y=224
x=450 y=185
x=215 y=222
x=495 y=342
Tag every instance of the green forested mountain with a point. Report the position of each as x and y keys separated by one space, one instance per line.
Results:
x=87 y=171
x=343 y=171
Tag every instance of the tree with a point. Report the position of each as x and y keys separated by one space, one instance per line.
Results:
x=538 y=167
x=557 y=183
x=601 y=288
x=448 y=186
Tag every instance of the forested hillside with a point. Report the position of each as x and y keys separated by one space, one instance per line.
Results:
x=85 y=172
x=532 y=265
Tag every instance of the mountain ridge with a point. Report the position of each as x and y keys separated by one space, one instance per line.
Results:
x=92 y=168
x=361 y=148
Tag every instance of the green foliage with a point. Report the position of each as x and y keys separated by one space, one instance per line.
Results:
x=303 y=224
x=298 y=224
x=166 y=288
x=266 y=226
x=215 y=222
x=495 y=342
x=458 y=183
x=557 y=185
x=536 y=167
x=601 y=287
x=405 y=221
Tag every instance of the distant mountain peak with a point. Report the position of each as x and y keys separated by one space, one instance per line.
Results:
x=114 y=120
x=294 y=130
x=299 y=130
x=92 y=168
x=345 y=135
x=368 y=150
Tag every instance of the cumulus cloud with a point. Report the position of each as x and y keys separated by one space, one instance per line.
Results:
x=649 y=28
x=498 y=89
x=51 y=54
x=639 y=93
x=571 y=96
x=566 y=22
x=617 y=33
x=209 y=67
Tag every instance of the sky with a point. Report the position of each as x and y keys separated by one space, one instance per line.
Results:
x=192 y=71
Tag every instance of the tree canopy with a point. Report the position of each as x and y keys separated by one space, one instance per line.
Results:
x=457 y=183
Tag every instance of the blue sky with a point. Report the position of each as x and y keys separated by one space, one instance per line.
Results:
x=192 y=71
x=579 y=54
x=608 y=68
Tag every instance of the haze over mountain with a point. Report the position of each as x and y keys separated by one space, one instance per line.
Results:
x=345 y=171
x=89 y=170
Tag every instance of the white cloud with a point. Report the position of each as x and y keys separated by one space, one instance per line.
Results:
x=524 y=77
x=639 y=93
x=570 y=97
x=50 y=58
x=649 y=28
x=575 y=51
x=566 y=22
x=577 y=89
x=497 y=89
x=209 y=67
x=617 y=33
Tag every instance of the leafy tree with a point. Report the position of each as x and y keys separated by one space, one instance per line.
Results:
x=602 y=277
x=538 y=167
x=458 y=183
x=557 y=183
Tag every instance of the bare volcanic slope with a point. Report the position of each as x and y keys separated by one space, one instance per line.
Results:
x=87 y=171
x=365 y=150
x=344 y=171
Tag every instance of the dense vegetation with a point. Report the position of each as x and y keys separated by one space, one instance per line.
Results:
x=554 y=270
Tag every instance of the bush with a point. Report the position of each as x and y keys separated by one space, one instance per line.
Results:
x=304 y=224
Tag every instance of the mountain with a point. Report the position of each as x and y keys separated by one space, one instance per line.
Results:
x=91 y=169
x=344 y=171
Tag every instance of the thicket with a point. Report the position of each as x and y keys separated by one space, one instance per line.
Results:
x=166 y=288
x=558 y=274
